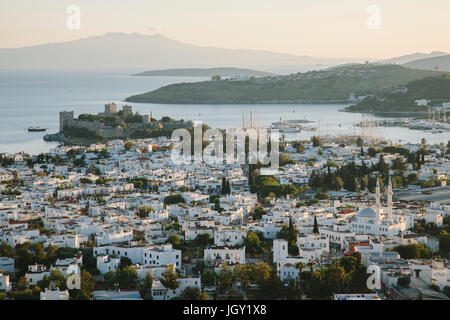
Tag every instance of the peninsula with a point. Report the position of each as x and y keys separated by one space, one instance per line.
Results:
x=206 y=72
x=336 y=85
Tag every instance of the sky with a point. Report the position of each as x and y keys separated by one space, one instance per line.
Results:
x=374 y=29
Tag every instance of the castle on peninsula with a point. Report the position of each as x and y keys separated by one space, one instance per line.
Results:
x=116 y=124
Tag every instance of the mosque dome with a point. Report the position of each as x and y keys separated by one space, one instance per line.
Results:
x=367 y=213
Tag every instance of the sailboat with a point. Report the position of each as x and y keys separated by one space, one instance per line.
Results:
x=34 y=128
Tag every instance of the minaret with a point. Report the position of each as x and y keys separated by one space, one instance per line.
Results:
x=389 y=196
x=378 y=200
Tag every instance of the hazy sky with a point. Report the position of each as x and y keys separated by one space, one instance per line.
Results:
x=324 y=28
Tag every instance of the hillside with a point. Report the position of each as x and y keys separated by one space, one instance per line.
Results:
x=204 y=72
x=434 y=89
x=316 y=86
x=443 y=62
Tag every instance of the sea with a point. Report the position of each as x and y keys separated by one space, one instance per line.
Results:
x=35 y=97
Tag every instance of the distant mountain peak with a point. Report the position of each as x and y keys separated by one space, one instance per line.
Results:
x=136 y=51
x=413 y=56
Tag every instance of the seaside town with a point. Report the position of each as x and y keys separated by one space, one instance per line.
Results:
x=118 y=220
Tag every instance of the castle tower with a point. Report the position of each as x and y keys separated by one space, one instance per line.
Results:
x=127 y=110
x=65 y=118
x=110 y=109
x=389 y=194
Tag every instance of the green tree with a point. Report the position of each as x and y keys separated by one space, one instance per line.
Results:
x=170 y=279
x=6 y=250
x=173 y=199
x=446 y=289
x=175 y=240
x=271 y=288
x=125 y=262
x=334 y=279
x=144 y=211
x=125 y=278
x=257 y=213
x=404 y=281
x=145 y=289
x=208 y=278
x=316 y=141
x=252 y=243
x=128 y=145
x=87 y=286
x=191 y=293
x=225 y=278
x=358 y=279
x=444 y=242
x=22 y=283
x=203 y=239
x=316 y=226
x=412 y=251
x=359 y=142
x=55 y=278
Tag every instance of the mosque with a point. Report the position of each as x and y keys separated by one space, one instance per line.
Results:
x=376 y=220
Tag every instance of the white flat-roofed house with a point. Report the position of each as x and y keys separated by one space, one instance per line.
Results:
x=65 y=240
x=268 y=229
x=159 y=292
x=146 y=255
x=190 y=233
x=356 y=296
x=226 y=236
x=112 y=236
x=36 y=273
x=281 y=256
x=314 y=242
x=287 y=271
x=54 y=294
x=162 y=255
x=106 y=263
x=228 y=255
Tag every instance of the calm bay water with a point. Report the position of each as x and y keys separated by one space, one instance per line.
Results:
x=38 y=96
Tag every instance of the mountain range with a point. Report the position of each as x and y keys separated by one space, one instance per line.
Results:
x=143 y=52
x=137 y=53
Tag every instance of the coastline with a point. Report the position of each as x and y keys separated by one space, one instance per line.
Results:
x=70 y=141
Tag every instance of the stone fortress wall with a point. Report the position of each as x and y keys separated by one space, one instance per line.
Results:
x=66 y=119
